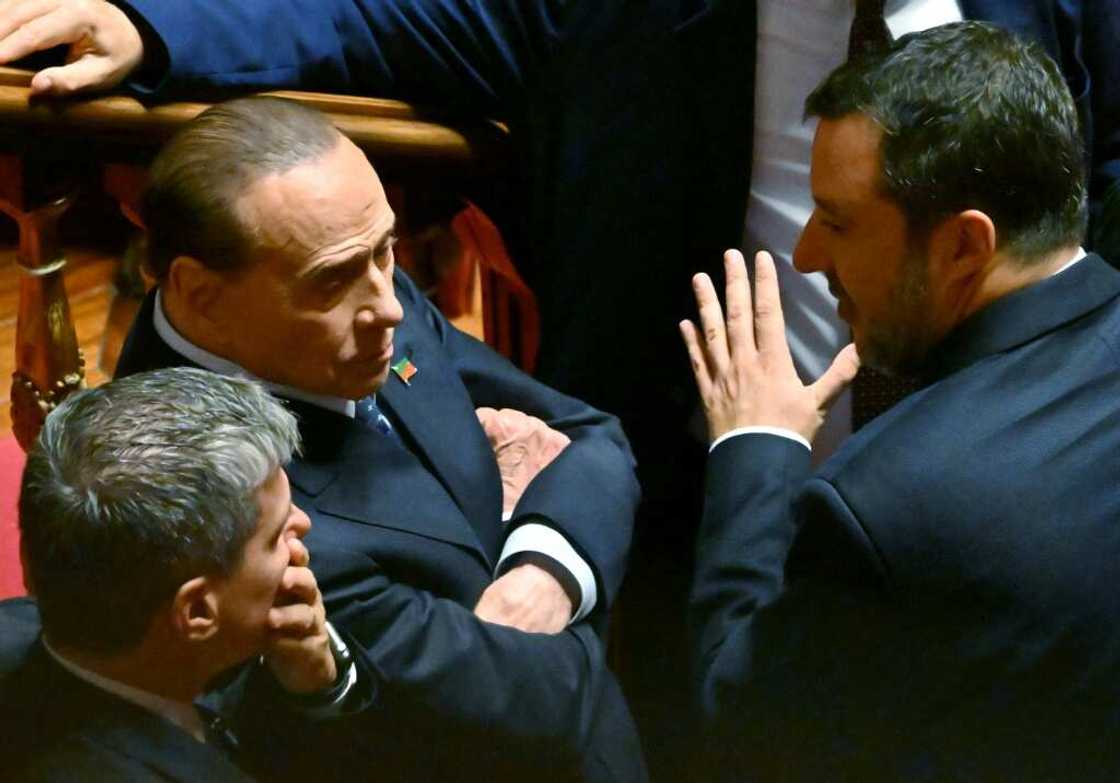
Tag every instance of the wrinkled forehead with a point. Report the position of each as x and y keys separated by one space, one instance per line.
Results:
x=302 y=213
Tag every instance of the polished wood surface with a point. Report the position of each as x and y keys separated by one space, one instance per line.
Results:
x=384 y=129
x=90 y=290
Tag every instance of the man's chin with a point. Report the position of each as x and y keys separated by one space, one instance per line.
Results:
x=896 y=361
x=364 y=387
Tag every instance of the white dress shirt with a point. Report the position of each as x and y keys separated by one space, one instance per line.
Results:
x=799 y=43
x=530 y=537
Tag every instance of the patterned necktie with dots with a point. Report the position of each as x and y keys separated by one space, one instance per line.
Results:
x=367 y=412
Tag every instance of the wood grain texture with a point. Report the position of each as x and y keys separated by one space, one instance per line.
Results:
x=382 y=128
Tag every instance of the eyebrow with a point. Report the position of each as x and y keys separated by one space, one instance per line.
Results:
x=828 y=205
x=361 y=252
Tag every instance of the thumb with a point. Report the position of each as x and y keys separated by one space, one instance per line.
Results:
x=836 y=378
x=91 y=71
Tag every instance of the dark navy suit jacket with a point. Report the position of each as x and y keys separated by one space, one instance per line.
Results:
x=632 y=144
x=55 y=727
x=946 y=611
x=405 y=540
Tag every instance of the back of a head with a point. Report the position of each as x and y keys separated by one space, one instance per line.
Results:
x=190 y=204
x=972 y=118
x=137 y=486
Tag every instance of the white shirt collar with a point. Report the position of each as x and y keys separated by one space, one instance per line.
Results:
x=185 y=716
x=1080 y=254
x=204 y=358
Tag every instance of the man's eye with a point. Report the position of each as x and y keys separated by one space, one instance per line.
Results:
x=330 y=284
x=383 y=257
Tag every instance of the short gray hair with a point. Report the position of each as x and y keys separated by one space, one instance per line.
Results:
x=137 y=486
x=190 y=204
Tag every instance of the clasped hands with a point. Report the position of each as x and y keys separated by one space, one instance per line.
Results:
x=742 y=363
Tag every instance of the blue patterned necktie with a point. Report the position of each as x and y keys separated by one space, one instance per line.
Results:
x=367 y=412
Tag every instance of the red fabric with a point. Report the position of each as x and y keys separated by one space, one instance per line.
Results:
x=509 y=309
x=11 y=468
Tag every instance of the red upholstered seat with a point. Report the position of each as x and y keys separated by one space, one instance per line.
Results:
x=11 y=468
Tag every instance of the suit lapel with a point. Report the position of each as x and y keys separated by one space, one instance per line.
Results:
x=435 y=416
x=355 y=473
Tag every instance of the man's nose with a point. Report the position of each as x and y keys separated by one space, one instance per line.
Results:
x=804 y=254
x=384 y=310
x=808 y=255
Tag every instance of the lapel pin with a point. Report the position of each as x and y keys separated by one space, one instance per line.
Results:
x=405 y=369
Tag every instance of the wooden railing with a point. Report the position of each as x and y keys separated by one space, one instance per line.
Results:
x=46 y=148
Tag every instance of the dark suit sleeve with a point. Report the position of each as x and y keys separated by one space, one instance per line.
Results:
x=787 y=657
x=537 y=691
x=590 y=492
x=449 y=54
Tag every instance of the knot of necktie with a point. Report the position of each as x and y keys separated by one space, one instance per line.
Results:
x=869 y=32
x=367 y=412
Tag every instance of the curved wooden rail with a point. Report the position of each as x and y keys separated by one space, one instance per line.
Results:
x=382 y=128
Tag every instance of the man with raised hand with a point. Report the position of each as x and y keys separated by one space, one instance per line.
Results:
x=931 y=603
x=163 y=551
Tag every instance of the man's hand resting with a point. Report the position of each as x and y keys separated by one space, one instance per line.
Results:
x=105 y=46
x=527 y=598
x=523 y=446
x=298 y=651
x=743 y=367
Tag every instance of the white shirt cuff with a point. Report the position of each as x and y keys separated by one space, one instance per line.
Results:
x=781 y=432
x=533 y=537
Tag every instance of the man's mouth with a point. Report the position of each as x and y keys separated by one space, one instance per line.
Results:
x=843 y=302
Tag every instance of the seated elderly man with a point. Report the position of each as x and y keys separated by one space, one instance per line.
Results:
x=162 y=547
x=936 y=602
x=272 y=241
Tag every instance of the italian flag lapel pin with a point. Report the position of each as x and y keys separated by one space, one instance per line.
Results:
x=405 y=369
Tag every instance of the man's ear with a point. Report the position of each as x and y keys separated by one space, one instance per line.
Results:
x=192 y=287
x=961 y=248
x=194 y=610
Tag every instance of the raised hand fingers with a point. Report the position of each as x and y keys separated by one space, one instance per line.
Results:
x=713 y=330
x=740 y=329
x=769 y=324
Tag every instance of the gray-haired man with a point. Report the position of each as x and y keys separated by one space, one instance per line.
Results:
x=161 y=544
